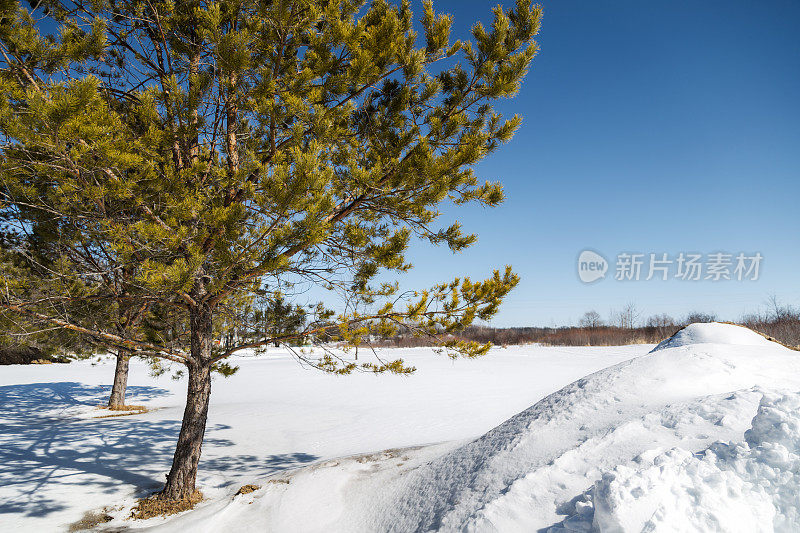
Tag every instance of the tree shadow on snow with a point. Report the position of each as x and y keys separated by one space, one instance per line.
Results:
x=259 y=467
x=42 y=448
x=35 y=399
x=45 y=452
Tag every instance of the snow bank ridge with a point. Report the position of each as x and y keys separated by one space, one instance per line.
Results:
x=713 y=333
x=745 y=486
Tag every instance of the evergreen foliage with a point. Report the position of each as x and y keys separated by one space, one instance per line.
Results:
x=169 y=159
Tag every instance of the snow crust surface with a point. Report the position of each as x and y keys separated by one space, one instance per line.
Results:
x=58 y=462
x=749 y=485
x=702 y=434
x=699 y=436
x=617 y=450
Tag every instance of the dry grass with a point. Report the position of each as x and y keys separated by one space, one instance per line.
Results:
x=247 y=489
x=123 y=410
x=128 y=408
x=130 y=413
x=90 y=520
x=156 y=506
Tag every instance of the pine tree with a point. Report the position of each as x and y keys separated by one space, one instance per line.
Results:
x=277 y=319
x=36 y=239
x=201 y=152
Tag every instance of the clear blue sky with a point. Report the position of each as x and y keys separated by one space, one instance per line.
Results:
x=648 y=126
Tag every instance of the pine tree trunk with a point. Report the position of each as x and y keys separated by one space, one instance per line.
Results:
x=181 y=478
x=117 y=398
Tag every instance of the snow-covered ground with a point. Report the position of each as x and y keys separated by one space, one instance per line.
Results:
x=701 y=434
x=272 y=416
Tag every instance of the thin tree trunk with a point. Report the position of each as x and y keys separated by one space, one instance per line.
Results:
x=181 y=478
x=117 y=398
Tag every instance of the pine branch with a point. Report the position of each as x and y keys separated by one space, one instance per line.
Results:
x=108 y=339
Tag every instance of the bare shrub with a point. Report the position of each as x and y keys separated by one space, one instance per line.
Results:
x=780 y=323
x=628 y=317
x=590 y=319
x=697 y=316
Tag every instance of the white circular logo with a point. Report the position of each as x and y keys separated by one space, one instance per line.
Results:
x=591 y=266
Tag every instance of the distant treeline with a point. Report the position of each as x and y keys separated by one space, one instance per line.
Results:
x=781 y=324
x=561 y=336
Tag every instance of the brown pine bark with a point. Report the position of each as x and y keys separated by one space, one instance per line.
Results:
x=183 y=474
x=118 y=389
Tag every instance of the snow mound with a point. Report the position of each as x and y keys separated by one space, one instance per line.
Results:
x=713 y=333
x=701 y=435
x=606 y=435
x=751 y=485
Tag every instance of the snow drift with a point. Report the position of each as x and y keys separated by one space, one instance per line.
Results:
x=702 y=386
x=700 y=434
x=58 y=462
x=714 y=333
x=750 y=485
